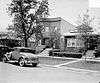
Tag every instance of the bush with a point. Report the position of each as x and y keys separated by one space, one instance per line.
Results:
x=52 y=51
x=65 y=54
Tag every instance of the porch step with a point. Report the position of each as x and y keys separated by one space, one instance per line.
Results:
x=45 y=52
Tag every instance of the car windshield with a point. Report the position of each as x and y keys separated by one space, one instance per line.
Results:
x=27 y=51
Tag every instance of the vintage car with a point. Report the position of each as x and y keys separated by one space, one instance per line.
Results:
x=23 y=56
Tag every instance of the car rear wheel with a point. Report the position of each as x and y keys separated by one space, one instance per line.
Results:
x=34 y=64
x=21 y=62
x=4 y=59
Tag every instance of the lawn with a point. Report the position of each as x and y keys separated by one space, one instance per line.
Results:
x=85 y=65
x=53 y=61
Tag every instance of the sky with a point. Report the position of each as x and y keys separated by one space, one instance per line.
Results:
x=66 y=9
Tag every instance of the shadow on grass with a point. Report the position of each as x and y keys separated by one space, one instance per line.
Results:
x=27 y=66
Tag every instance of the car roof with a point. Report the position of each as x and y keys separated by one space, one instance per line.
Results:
x=23 y=48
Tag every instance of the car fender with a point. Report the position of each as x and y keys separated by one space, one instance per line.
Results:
x=7 y=56
x=22 y=56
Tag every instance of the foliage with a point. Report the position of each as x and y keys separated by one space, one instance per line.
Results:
x=84 y=29
x=27 y=15
x=84 y=22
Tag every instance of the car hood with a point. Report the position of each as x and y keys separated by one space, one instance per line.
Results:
x=29 y=55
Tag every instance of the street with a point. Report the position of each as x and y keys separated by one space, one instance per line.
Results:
x=12 y=73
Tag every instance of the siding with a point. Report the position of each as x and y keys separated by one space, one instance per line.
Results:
x=66 y=27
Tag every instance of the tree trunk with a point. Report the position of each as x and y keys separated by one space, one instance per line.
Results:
x=25 y=42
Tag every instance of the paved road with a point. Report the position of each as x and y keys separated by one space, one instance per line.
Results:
x=10 y=73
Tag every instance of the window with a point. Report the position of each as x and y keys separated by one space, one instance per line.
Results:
x=47 y=29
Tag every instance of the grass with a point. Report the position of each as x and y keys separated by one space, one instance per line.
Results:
x=53 y=61
x=89 y=65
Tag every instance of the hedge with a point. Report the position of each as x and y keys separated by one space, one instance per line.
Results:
x=65 y=54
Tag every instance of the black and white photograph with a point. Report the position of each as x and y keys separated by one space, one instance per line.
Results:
x=49 y=41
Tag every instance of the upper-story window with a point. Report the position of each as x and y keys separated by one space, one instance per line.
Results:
x=47 y=29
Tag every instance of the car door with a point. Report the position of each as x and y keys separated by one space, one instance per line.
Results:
x=16 y=54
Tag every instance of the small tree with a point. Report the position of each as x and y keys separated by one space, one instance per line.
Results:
x=84 y=29
x=27 y=15
x=54 y=37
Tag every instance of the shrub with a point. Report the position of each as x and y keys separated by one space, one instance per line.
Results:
x=65 y=54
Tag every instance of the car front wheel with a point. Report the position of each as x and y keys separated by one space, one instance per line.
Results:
x=34 y=64
x=21 y=62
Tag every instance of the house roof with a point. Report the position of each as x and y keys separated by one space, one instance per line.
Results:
x=51 y=19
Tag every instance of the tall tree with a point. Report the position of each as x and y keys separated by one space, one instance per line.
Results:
x=27 y=15
x=84 y=29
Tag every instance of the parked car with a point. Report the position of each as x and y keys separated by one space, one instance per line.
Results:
x=4 y=50
x=23 y=56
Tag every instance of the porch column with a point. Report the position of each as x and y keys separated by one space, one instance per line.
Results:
x=62 y=43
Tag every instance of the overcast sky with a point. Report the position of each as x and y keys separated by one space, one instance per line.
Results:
x=67 y=9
